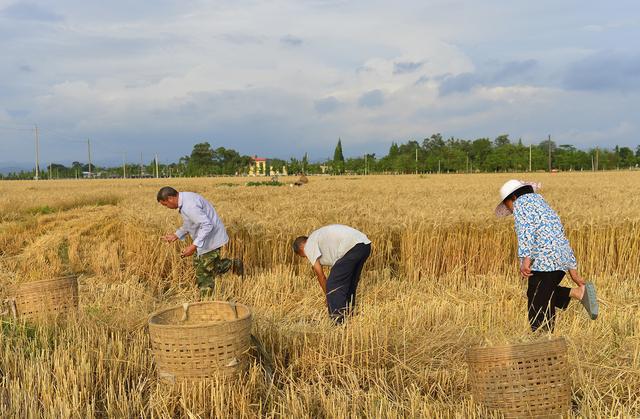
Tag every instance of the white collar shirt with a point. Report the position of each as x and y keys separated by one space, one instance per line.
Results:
x=201 y=222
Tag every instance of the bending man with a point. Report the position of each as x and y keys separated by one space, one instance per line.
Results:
x=202 y=223
x=345 y=250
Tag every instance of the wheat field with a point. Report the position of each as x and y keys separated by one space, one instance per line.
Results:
x=442 y=278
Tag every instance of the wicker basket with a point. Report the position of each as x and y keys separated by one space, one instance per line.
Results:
x=44 y=299
x=524 y=380
x=201 y=340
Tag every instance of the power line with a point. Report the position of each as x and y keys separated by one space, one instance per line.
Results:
x=549 y=141
x=37 y=139
x=89 y=147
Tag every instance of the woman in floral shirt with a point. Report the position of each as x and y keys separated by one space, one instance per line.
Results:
x=545 y=255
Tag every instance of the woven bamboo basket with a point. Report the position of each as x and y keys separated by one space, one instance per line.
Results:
x=201 y=340
x=523 y=380
x=44 y=299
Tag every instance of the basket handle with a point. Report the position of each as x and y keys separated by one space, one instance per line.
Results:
x=185 y=312
x=11 y=302
x=234 y=307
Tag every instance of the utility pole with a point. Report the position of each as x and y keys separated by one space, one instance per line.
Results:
x=467 y=162
x=124 y=165
x=438 y=166
x=89 y=148
x=141 y=165
x=597 y=157
x=529 y=157
x=416 y=159
x=49 y=170
x=37 y=153
x=365 y=164
x=157 y=172
x=549 y=144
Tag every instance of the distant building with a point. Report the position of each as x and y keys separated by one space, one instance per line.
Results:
x=88 y=175
x=258 y=166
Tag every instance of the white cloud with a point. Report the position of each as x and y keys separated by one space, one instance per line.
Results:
x=286 y=76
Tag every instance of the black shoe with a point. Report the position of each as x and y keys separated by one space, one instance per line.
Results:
x=238 y=267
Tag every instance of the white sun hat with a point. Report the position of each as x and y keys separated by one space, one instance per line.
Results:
x=507 y=189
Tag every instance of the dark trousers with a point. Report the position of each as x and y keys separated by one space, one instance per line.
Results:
x=343 y=281
x=544 y=295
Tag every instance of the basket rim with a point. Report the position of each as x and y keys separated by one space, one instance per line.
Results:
x=556 y=339
x=199 y=325
x=18 y=286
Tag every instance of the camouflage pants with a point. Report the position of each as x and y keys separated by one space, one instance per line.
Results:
x=208 y=266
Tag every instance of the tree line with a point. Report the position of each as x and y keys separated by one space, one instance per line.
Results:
x=455 y=155
x=432 y=155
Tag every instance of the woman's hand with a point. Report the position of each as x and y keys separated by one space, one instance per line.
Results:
x=525 y=267
x=575 y=276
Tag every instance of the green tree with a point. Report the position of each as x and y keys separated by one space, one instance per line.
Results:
x=338 y=158
x=502 y=140
x=201 y=160
x=480 y=149
x=544 y=147
x=626 y=157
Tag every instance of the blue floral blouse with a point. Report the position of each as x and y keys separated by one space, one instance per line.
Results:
x=541 y=235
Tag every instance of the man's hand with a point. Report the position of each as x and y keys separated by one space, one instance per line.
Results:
x=169 y=238
x=525 y=267
x=322 y=279
x=190 y=250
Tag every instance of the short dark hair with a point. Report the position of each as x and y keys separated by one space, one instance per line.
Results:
x=522 y=191
x=298 y=243
x=165 y=192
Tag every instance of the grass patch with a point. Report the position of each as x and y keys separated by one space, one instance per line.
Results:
x=266 y=183
x=106 y=200
x=43 y=210
x=14 y=330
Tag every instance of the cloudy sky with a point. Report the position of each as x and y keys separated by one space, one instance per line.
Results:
x=279 y=78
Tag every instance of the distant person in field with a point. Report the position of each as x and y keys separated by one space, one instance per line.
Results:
x=345 y=250
x=202 y=223
x=302 y=181
x=545 y=255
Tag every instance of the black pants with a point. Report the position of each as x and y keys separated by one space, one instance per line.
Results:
x=343 y=281
x=544 y=295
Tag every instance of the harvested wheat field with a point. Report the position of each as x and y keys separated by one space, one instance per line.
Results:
x=442 y=278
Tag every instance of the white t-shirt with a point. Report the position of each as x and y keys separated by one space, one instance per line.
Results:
x=332 y=242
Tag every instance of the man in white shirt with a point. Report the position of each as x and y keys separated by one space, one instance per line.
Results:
x=345 y=250
x=202 y=223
